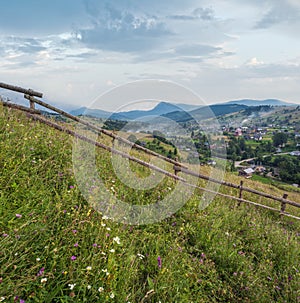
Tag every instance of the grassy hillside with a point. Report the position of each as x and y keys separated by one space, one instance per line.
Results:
x=55 y=248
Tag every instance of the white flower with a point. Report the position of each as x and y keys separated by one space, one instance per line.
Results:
x=89 y=287
x=100 y=289
x=112 y=295
x=89 y=268
x=105 y=218
x=112 y=251
x=117 y=240
x=71 y=286
x=105 y=270
x=2 y=299
x=141 y=256
x=44 y=280
x=38 y=259
x=108 y=228
x=103 y=224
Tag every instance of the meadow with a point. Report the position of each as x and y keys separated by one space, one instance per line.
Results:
x=54 y=247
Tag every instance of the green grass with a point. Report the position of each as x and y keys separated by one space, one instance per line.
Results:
x=222 y=254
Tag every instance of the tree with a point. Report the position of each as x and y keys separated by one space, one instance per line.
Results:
x=279 y=139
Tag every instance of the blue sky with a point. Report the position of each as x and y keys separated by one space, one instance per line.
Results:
x=75 y=50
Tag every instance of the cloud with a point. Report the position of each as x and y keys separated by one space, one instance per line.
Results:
x=206 y=14
x=280 y=12
x=21 y=45
x=183 y=52
x=114 y=30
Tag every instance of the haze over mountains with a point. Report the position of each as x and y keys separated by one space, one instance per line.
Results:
x=180 y=112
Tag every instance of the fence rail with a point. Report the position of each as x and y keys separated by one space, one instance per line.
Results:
x=178 y=167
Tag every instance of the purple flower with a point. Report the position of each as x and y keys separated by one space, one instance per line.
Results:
x=95 y=245
x=40 y=273
x=73 y=258
x=18 y=216
x=159 y=263
x=71 y=186
x=76 y=245
x=74 y=231
x=203 y=255
x=5 y=235
x=64 y=211
x=22 y=301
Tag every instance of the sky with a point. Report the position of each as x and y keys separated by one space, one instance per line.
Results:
x=76 y=50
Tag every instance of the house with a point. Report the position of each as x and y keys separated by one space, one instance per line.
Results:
x=260 y=169
x=247 y=172
x=258 y=137
x=238 y=132
x=295 y=153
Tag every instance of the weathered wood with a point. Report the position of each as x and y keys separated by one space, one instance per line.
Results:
x=18 y=89
x=247 y=189
x=241 y=191
x=101 y=130
x=20 y=107
x=283 y=203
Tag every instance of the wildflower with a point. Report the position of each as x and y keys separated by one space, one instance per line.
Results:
x=73 y=258
x=5 y=235
x=112 y=251
x=95 y=244
x=112 y=295
x=100 y=289
x=89 y=287
x=89 y=268
x=105 y=218
x=41 y=272
x=108 y=228
x=65 y=272
x=141 y=256
x=71 y=286
x=117 y=240
x=74 y=231
x=22 y=301
x=71 y=186
x=103 y=224
x=76 y=244
x=2 y=299
x=159 y=263
x=18 y=216
x=44 y=280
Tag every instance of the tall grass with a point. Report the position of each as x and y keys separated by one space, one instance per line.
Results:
x=54 y=247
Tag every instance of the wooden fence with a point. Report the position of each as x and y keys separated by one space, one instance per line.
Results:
x=177 y=166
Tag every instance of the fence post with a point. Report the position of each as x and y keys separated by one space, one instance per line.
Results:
x=176 y=168
x=32 y=104
x=241 y=191
x=283 y=204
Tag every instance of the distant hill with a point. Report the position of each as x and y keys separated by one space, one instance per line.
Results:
x=97 y=113
x=160 y=109
x=250 y=102
x=205 y=112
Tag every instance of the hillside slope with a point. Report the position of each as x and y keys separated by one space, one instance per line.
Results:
x=56 y=248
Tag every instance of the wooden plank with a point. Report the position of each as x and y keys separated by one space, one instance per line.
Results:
x=20 y=107
x=101 y=130
x=18 y=89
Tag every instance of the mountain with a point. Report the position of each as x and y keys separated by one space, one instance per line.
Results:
x=160 y=109
x=250 y=102
x=205 y=112
x=97 y=113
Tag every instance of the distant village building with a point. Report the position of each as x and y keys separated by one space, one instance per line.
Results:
x=247 y=172
x=295 y=153
x=238 y=132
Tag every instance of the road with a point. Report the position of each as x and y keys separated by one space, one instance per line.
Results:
x=237 y=164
